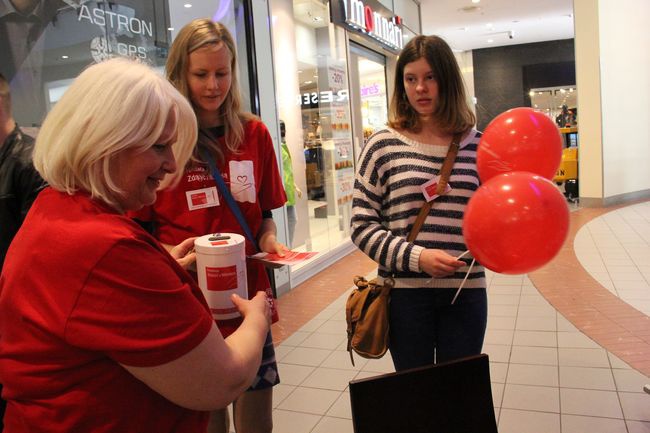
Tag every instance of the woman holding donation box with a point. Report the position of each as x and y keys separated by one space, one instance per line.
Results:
x=101 y=329
x=202 y=65
x=399 y=171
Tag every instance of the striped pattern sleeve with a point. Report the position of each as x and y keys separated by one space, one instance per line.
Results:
x=370 y=230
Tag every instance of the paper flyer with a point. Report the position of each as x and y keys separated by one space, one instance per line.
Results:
x=290 y=257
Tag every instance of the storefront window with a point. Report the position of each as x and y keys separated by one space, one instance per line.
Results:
x=314 y=103
x=45 y=44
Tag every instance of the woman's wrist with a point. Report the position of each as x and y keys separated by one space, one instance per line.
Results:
x=267 y=242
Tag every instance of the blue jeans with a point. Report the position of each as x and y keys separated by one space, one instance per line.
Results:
x=426 y=329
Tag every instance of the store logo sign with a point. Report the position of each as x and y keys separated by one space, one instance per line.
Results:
x=326 y=96
x=115 y=24
x=385 y=29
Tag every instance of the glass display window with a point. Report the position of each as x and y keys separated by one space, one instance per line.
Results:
x=314 y=103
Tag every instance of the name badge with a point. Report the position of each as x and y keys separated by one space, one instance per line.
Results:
x=202 y=198
x=429 y=189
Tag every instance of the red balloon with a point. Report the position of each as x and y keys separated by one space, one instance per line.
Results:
x=521 y=139
x=516 y=222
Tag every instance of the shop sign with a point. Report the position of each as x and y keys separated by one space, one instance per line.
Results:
x=116 y=23
x=314 y=98
x=370 y=18
x=370 y=90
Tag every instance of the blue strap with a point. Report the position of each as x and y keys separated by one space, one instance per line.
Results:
x=225 y=192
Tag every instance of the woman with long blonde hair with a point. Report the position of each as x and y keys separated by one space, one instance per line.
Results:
x=202 y=65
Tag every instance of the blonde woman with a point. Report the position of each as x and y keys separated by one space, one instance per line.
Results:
x=202 y=64
x=102 y=329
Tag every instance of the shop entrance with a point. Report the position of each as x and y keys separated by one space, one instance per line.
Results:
x=368 y=92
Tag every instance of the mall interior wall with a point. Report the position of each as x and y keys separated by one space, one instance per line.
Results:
x=613 y=78
x=500 y=74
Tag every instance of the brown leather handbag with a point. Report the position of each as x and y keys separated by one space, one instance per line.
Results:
x=366 y=310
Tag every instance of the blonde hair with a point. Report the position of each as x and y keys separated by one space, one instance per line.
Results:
x=452 y=114
x=111 y=106
x=193 y=36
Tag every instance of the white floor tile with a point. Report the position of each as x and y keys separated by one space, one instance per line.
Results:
x=291 y=374
x=583 y=357
x=341 y=360
x=497 y=393
x=309 y=400
x=337 y=327
x=341 y=407
x=629 y=380
x=529 y=397
x=526 y=374
x=328 y=378
x=635 y=406
x=637 y=426
x=590 y=403
x=324 y=341
x=521 y=421
x=501 y=323
x=534 y=355
x=293 y=422
x=280 y=392
x=575 y=339
x=584 y=424
x=536 y=323
x=306 y=356
x=497 y=352
x=587 y=378
x=498 y=371
x=334 y=425
x=535 y=338
x=537 y=311
x=498 y=336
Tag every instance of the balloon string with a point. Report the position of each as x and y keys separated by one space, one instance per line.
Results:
x=465 y=279
x=462 y=255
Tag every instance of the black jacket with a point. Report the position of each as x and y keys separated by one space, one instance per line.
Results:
x=20 y=183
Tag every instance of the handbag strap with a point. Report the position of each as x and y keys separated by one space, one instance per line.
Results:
x=445 y=172
x=227 y=195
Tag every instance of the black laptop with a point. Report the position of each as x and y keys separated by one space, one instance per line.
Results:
x=452 y=397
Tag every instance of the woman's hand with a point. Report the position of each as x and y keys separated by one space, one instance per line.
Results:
x=269 y=244
x=184 y=253
x=438 y=263
x=258 y=305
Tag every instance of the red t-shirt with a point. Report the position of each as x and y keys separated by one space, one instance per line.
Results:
x=195 y=207
x=83 y=290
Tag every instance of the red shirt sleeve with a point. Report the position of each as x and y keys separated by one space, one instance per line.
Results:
x=136 y=307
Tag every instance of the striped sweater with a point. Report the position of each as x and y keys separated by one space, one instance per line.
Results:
x=388 y=198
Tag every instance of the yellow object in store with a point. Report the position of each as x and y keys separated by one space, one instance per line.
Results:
x=568 y=166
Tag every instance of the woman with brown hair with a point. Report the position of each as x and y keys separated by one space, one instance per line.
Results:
x=428 y=110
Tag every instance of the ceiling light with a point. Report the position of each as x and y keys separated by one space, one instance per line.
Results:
x=171 y=29
x=308 y=82
x=188 y=5
x=490 y=41
x=476 y=1
x=64 y=57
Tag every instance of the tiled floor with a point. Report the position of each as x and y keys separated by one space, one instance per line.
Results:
x=553 y=338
